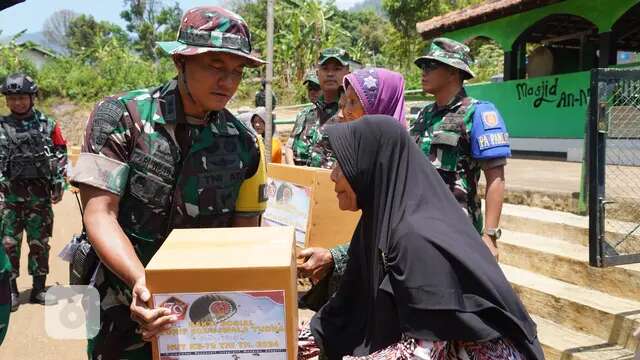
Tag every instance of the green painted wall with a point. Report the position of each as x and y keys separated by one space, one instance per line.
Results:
x=543 y=107
x=505 y=31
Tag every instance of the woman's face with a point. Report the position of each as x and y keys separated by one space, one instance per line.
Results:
x=347 y=199
x=258 y=124
x=352 y=108
x=286 y=195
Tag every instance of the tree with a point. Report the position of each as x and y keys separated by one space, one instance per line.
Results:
x=405 y=14
x=303 y=28
x=56 y=27
x=151 y=21
x=12 y=58
x=85 y=33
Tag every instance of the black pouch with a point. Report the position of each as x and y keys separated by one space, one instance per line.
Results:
x=84 y=260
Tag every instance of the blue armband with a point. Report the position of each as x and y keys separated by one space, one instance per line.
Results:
x=489 y=136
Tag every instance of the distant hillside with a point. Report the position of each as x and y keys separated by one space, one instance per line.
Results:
x=375 y=5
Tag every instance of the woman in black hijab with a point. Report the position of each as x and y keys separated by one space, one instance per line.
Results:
x=420 y=283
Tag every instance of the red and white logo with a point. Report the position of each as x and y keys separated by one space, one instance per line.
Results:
x=177 y=307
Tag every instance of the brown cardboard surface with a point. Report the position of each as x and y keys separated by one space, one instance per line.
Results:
x=328 y=226
x=232 y=259
x=72 y=153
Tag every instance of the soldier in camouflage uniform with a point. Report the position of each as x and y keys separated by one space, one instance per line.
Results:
x=333 y=65
x=32 y=176
x=313 y=86
x=462 y=136
x=260 y=99
x=163 y=158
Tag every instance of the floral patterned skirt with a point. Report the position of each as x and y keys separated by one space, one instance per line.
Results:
x=412 y=349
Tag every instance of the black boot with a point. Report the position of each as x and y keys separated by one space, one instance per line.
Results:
x=38 y=292
x=15 y=295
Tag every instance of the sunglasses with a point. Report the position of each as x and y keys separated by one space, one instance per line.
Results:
x=430 y=66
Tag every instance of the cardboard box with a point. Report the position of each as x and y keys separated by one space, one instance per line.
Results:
x=323 y=224
x=72 y=153
x=234 y=290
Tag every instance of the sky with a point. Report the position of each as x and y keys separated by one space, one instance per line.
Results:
x=32 y=14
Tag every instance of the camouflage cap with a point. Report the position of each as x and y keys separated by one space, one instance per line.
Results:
x=311 y=78
x=335 y=53
x=449 y=52
x=212 y=29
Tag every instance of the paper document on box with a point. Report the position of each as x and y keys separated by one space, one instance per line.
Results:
x=288 y=205
x=223 y=324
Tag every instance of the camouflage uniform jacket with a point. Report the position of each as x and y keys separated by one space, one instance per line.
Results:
x=168 y=173
x=322 y=155
x=35 y=141
x=445 y=136
x=305 y=131
x=321 y=292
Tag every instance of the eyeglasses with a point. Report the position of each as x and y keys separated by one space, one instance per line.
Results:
x=430 y=66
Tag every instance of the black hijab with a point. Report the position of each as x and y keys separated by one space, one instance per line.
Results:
x=416 y=264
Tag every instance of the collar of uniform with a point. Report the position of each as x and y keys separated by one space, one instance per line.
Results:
x=171 y=103
x=221 y=123
x=323 y=103
x=454 y=103
x=35 y=115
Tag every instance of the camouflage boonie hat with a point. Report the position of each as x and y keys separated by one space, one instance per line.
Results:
x=311 y=78
x=449 y=52
x=212 y=29
x=335 y=53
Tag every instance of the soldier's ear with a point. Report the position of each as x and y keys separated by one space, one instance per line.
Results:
x=179 y=62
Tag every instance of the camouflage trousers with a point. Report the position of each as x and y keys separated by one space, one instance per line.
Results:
x=117 y=338
x=5 y=304
x=35 y=217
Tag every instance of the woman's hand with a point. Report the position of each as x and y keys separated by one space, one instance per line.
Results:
x=151 y=321
x=317 y=263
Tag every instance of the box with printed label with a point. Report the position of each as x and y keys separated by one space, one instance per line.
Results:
x=233 y=291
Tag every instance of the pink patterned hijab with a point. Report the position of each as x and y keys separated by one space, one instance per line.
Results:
x=380 y=91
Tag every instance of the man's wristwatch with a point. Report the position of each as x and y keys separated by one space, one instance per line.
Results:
x=494 y=233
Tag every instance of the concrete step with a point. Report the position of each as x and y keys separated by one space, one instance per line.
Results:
x=548 y=223
x=560 y=343
x=568 y=262
x=584 y=310
x=569 y=227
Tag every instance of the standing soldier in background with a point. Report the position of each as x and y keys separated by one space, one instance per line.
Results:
x=168 y=157
x=32 y=176
x=261 y=98
x=462 y=136
x=313 y=86
x=333 y=65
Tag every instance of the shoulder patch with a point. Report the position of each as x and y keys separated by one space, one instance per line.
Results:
x=105 y=121
x=490 y=120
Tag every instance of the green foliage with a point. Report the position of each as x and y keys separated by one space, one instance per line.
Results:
x=105 y=59
x=85 y=33
x=108 y=69
x=303 y=28
x=151 y=21
x=406 y=45
x=489 y=59
x=12 y=59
